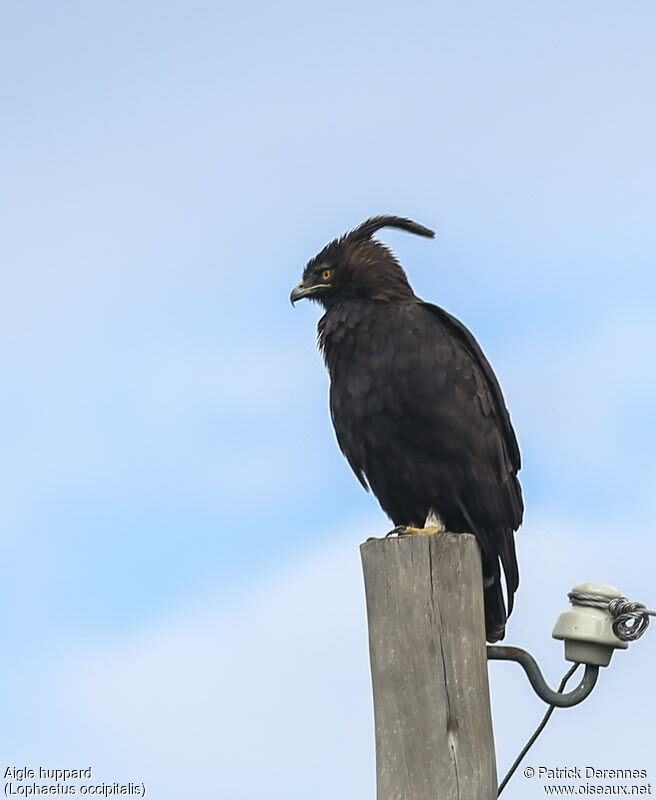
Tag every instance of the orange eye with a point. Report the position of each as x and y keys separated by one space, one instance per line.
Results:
x=325 y=275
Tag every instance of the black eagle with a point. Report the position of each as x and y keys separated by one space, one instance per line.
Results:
x=417 y=409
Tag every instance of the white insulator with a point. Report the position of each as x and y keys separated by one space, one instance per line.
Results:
x=588 y=631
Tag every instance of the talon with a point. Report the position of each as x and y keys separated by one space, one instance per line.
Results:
x=398 y=531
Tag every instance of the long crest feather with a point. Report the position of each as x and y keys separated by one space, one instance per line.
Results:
x=367 y=229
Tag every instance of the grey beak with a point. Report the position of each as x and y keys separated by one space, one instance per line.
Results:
x=297 y=293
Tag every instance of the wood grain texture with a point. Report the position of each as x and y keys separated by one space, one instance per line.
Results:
x=433 y=724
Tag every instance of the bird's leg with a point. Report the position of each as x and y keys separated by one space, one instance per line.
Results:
x=433 y=524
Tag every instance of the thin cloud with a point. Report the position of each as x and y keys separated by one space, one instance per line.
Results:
x=280 y=670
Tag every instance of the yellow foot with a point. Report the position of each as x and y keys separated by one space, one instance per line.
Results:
x=403 y=530
x=429 y=529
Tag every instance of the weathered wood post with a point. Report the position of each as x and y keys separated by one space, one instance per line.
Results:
x=428 y=667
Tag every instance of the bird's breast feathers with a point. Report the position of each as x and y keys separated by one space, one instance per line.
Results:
x=393 y=348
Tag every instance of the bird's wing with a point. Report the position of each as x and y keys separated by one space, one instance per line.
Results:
x=496 y=438
x=445 y=412
x=491 y=391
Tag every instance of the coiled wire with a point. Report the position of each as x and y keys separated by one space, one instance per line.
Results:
x=630 y=618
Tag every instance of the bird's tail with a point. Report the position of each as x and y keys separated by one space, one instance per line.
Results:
x=495 y=605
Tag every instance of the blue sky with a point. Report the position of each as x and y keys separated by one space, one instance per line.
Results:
x=181 y=576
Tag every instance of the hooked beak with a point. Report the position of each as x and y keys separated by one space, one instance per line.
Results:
x=300 y=291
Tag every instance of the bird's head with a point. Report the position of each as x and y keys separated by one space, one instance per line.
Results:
x=355 y=265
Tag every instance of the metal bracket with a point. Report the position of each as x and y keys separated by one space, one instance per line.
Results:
x=542 y=689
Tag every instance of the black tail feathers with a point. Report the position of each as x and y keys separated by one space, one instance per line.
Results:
x=495 y=608
x=495 y=605
x=505 y=540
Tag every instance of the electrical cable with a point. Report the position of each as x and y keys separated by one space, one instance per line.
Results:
x=537 y=731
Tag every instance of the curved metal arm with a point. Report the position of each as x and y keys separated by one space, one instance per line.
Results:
x=530 y=665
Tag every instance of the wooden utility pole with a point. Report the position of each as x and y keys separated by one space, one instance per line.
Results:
x=428 y=667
